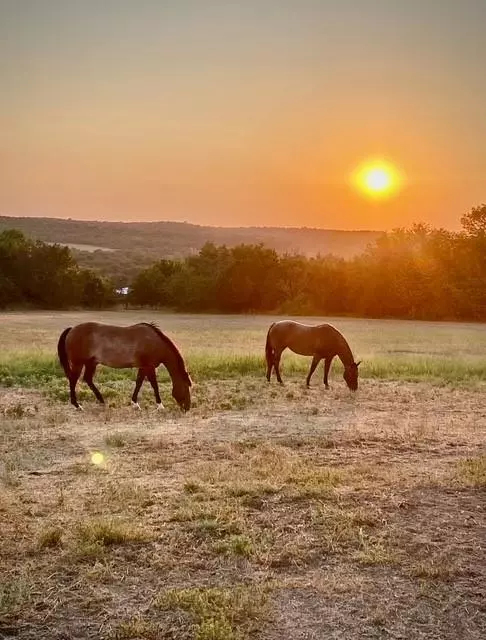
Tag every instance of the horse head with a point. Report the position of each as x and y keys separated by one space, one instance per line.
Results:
x=351 y=375
x=181 y=391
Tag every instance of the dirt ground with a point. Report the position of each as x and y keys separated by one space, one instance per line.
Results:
x=268 y=512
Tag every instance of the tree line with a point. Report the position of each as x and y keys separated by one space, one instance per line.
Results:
x=416 y=273
x=44 y=276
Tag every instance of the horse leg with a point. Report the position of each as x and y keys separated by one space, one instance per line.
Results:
x=152 y=377
x=269 y=365
x=89 y=371
x=138 y=384
x=73 y=379
x=315 y=361
x=327 y=366
x=276 y=364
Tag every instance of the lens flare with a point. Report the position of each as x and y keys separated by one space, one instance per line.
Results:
x=97 y=458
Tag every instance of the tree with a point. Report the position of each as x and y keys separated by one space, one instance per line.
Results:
x=95 y=293
x=45 y=276
x=474 y=222
x=154 y=286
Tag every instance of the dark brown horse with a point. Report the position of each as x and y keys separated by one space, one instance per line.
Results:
x=141 y=345
x=323 y=342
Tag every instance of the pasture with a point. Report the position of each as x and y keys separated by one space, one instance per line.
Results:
x=267 y=511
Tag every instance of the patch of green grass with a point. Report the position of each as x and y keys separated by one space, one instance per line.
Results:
x=42 y=370
x=231 y=613
x=435 y=369
x=210 y=366
x=28 y=370
x=236 y=545
x=473 y=472
x=136 y=628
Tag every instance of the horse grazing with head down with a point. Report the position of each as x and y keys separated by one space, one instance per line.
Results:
x=322 y=342
x=141 y=345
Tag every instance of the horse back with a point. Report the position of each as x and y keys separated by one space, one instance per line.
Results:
x=300 y=338
x=112 y=345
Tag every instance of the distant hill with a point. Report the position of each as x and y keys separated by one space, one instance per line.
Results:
x=178 y=239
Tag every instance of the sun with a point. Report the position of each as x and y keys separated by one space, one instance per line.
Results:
x=378 y=179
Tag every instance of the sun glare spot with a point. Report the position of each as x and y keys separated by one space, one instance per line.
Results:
x=377 y=179
x=97 y=458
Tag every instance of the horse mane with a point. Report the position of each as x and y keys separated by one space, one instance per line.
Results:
x=346 y=353
x=179 y=359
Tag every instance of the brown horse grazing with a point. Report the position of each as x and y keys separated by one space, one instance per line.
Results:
x=141 y=345
x=322 y=342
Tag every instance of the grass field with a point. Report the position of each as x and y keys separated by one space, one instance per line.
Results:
x=267 y=511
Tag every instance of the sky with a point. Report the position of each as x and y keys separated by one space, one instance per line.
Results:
x=242 y=113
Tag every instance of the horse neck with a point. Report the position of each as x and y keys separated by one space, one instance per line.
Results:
x=344 y=352
x=171 y=362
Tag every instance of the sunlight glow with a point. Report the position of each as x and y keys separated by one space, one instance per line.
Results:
x=377 y=179
x=97 y=458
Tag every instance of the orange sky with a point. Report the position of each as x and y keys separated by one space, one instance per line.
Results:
x=241 y=113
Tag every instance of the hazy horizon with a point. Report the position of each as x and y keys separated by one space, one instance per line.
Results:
x=223 y=226
x=239 y=114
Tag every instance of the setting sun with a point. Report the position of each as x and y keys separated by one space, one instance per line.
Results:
x=377 y=179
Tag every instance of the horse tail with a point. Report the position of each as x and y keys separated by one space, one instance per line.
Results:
x=62 y=353
x=269 y=350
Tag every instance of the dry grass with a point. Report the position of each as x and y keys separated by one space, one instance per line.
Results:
x=472 y=471
x=218 y=613
x=265 y=512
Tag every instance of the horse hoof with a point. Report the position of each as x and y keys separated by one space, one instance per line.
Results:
x=135 y=405
x=160 y=407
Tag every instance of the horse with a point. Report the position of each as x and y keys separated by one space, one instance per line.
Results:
x=322 y=342
x=140 y=345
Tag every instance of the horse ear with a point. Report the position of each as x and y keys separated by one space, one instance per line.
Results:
x=358 y=363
